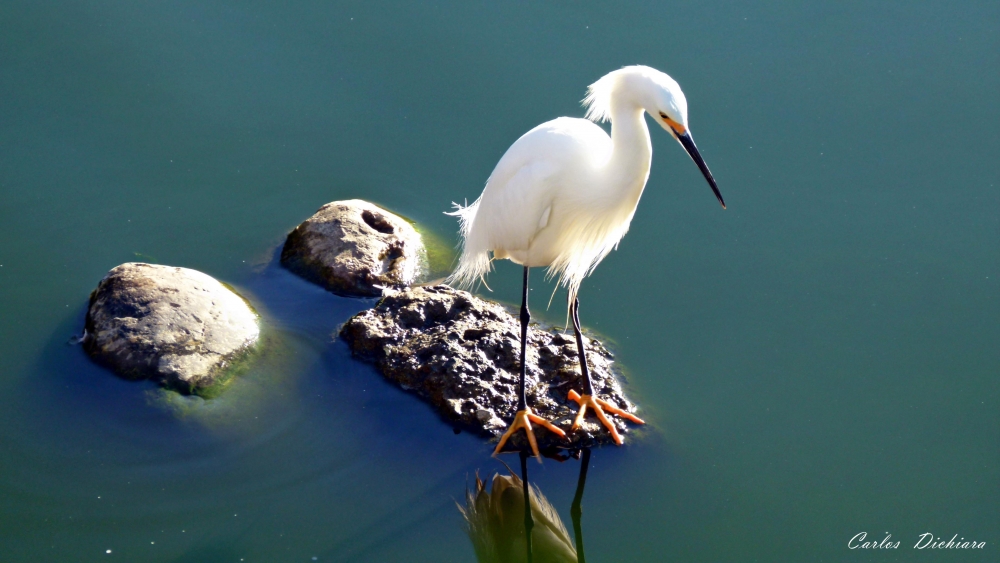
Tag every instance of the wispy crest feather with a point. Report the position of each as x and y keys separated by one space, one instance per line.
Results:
x=598 y=99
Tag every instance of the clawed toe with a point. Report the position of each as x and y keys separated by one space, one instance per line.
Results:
x=523 y=419
x=600 y=406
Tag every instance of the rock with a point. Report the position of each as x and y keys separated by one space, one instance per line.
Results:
x=177 y=326
x=461 y=354
x=355 y=248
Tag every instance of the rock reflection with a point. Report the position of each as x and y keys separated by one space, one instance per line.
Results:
x=496 y=520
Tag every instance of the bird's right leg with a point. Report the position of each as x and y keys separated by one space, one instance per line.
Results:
x=588 y=399
x=524 y=416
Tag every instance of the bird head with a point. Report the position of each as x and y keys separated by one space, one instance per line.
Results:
x=656 y=93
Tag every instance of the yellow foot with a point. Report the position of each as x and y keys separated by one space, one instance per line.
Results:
x=599 y=407
x=523 y=419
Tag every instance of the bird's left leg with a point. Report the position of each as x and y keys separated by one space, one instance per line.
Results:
x=524 y=416
x=587 y=399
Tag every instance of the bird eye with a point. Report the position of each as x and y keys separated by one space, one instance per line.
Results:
x=663 y=115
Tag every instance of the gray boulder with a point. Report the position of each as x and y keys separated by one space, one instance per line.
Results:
x=177 y=326
x=355 y=248
x=461 y=354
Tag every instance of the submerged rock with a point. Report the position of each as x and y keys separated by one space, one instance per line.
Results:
x=354 y=248
x=462 y=355
x=177 y=326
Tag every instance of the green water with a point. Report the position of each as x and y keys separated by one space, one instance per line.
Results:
x=817 y=361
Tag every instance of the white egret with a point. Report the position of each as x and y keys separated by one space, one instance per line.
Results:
x=563 y=196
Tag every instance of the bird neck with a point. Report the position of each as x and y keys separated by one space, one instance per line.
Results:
x=632 y=151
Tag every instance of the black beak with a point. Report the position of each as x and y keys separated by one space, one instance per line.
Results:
x=692 y=151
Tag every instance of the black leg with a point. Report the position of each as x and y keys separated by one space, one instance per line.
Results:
x=588 y=387
x=576 y=511
x=522 y=401
x=524 y=418
x=529 y=523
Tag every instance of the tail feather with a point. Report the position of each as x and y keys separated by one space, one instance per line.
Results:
x=474 y=262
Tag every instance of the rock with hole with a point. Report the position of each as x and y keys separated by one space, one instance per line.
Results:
x=177 y=326
x=355 y=248
x=461 y=354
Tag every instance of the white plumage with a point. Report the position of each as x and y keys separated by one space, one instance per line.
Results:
x=563 y=194
x=562 y=197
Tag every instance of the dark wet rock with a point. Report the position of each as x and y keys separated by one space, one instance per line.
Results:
x=355 y=248
x=461 y=354
x=177 y=326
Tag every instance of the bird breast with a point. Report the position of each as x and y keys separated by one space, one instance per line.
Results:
x=553 y=197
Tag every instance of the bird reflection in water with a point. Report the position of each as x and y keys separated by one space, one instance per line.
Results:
x=496 y=520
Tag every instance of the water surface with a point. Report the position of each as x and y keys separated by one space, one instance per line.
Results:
x=816 y=361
